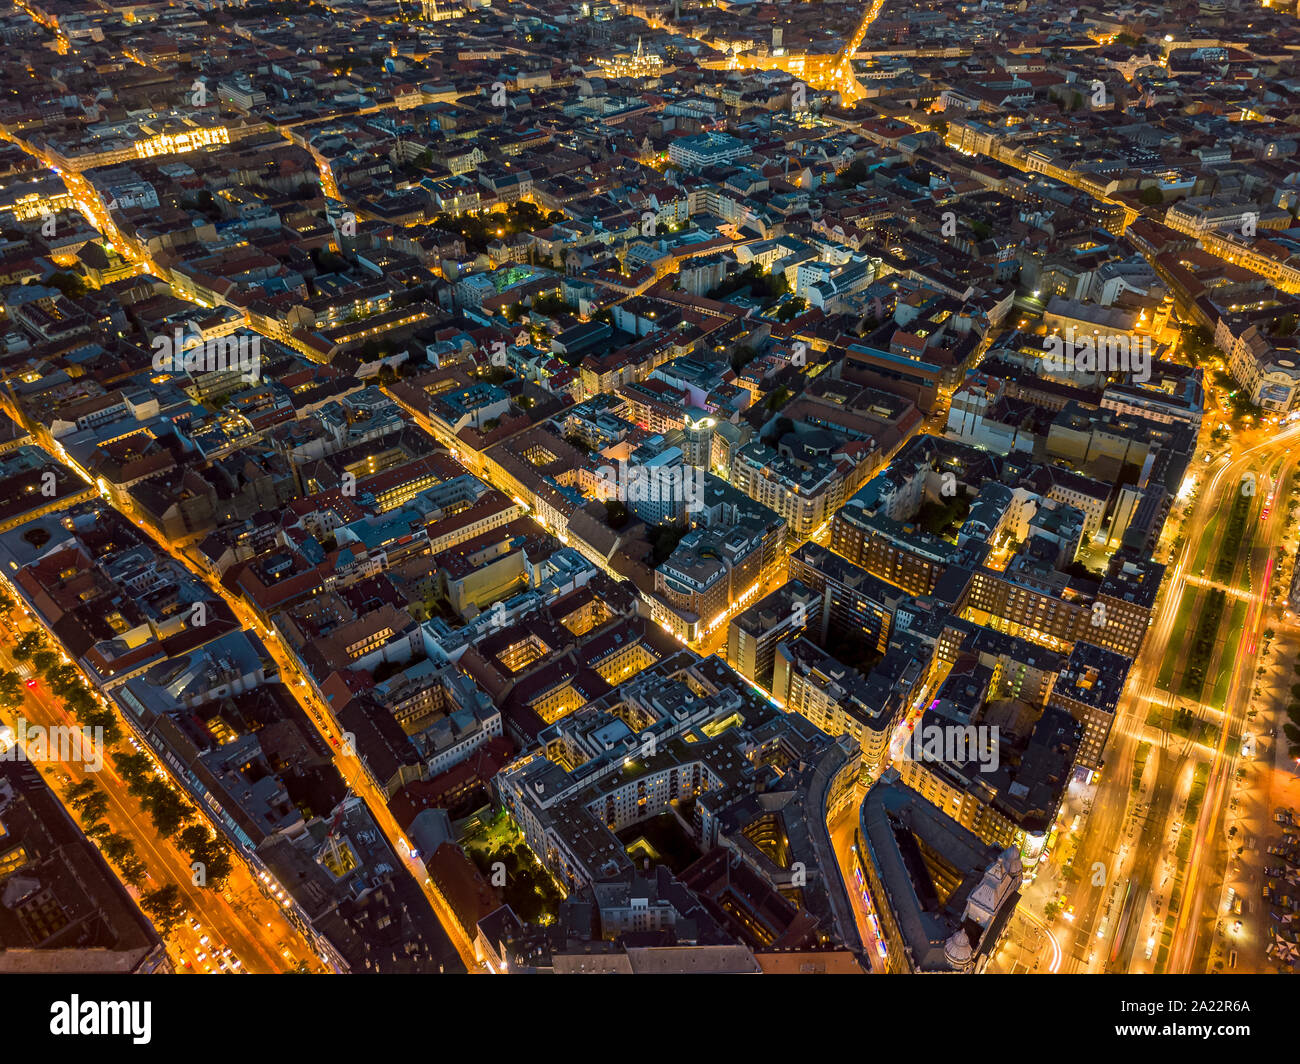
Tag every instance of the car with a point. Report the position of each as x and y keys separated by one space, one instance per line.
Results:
x=200 y=956
x=1236 y=928
x=204 y=940
x=1232 y=959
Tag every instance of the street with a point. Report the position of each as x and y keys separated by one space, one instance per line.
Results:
x=240 y=917
x=1132 y=833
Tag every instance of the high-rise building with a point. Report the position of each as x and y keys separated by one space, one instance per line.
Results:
x=753 y=635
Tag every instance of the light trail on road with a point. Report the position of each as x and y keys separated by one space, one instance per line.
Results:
x=1055 y=965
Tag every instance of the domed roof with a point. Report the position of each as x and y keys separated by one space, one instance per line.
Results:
x=957 y=949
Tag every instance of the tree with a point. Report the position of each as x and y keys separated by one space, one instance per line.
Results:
x=11 y=689
x=133 y=870
x=63 y=679
x=166 y=808
x=92 y=807
x=117 y=848
x=80 y=701
x=778 y=399
x=780 y=428
x=616 y=515
x=104 y=720
x=70 y=284
x=194 y=838
x=1293 y=739
x=28 y=644
x=853 y=174
x=742 y=357
x=551 y=304
x=79 y=792
x=329 y=262
x=44 y=660
x=134 y=767
x=791 y=309
x=163 y=907
x=1151 y=196
x=219 y=866
x=761 y=285
x=202 y=201
x=664 y=540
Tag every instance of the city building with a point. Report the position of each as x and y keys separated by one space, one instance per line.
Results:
x=943 y=897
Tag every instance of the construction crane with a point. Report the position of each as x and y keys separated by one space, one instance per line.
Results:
x=331 y=840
